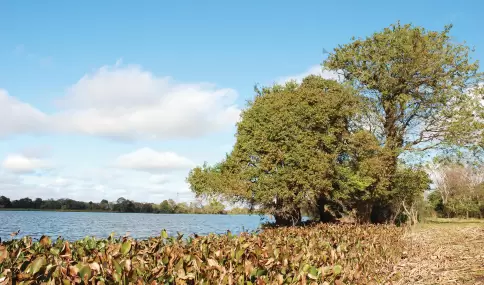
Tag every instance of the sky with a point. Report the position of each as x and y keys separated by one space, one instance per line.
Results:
x=108 y=99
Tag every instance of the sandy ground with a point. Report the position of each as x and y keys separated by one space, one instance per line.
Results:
x=443 y=252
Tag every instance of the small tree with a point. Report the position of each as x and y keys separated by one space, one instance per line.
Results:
x=5 y=202
x=166 y=208
x=104 y=204
x=214 y=207
x=408 y=193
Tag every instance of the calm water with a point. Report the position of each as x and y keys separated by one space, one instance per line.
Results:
x=76 y=225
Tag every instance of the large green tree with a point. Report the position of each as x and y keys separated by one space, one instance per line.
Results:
x=288 y=144
x=420 y=87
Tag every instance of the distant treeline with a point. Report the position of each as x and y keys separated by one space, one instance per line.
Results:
x=121 y=205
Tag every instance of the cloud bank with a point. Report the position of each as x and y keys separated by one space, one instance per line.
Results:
x=18 y=163
x=126 y=102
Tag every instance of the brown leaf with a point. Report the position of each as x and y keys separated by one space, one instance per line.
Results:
x=127 y=265
x=45 y=241
x=95 y=266
x=3 y=253
x=73 y=271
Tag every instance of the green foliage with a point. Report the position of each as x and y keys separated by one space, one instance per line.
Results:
x=215 y=207
x=421 y=88
x=299 y=148
x=410 y=184
x=408 y=193
x=239 y=211
x=289 y=138
x=220 y=180
x=167 y=207
x=320 y=254
x=288 y=141
x=420 y=91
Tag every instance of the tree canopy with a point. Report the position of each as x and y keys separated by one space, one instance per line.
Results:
x=421 y=88
x=291 y=151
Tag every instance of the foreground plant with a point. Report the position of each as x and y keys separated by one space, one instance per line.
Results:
x=322 y=254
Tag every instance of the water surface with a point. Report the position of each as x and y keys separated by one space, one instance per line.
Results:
x=76 y=225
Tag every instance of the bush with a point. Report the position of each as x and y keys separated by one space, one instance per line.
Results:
x=295 y=255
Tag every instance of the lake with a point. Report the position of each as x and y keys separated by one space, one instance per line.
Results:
x=76 y=225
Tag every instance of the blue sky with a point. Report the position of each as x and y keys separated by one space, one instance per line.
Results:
x=102 y=99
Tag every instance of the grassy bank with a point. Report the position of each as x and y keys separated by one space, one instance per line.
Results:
x=306 y=255
x=452 y=221
x=443 y=251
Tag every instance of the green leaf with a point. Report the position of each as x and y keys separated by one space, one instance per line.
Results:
x=125 y=247
x=54 y=251
x=85 y=272
x=116 y=276
x=337 y=269
x=239 y=254
x=117 y=267
x=260 y=272
x=37 y=264
x=313 y=273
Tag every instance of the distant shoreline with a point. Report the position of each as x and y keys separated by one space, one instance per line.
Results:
x=111 y=212
x=51 y=210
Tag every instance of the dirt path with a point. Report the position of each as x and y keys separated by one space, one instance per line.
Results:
x=446 y=253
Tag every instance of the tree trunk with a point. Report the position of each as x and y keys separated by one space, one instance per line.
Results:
x=288 y=219
x=393 y=144
x=363 y=212
x=411 y=212
x=325 y=216
x=382 y=213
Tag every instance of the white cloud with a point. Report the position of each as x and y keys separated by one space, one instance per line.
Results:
x=61 y=182
x=38 y=151
x=97 y=183
x=129 y=102
x=314 y=70
x=117 y=101
x=18 y=117
x=159 y=178
x=146 y=159
x=19 y=163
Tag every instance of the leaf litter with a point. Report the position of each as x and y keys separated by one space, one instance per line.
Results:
x=451 y=253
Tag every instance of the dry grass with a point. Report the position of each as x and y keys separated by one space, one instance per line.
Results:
x=444 y=252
